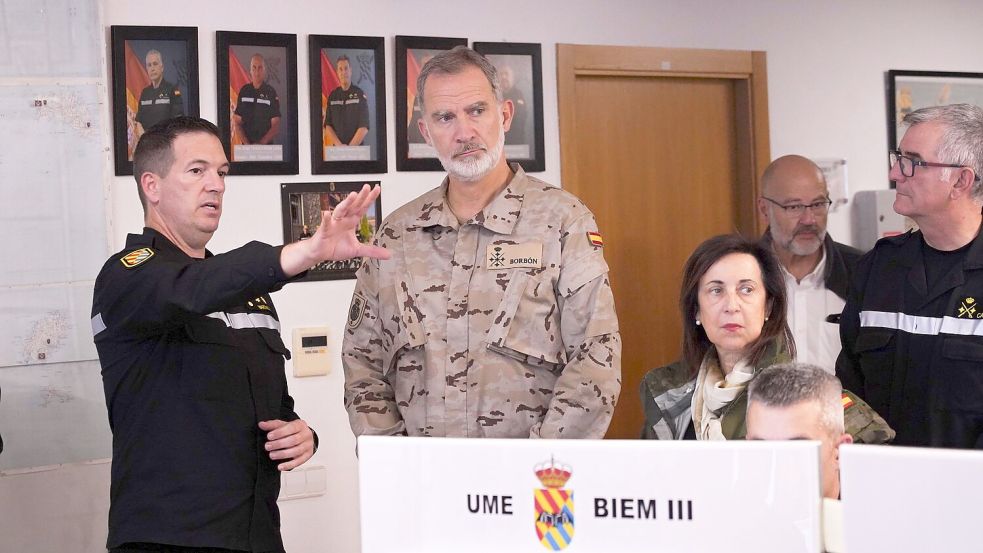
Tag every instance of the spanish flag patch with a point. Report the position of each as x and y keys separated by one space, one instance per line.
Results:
x=847 y=402
x=595 y=239
x=136 y=257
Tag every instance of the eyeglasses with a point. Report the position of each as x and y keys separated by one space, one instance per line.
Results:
x=817 y=208
x=907 y=164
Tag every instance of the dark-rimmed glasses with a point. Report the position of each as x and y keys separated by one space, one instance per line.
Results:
x=907 y=164
x=817 y=208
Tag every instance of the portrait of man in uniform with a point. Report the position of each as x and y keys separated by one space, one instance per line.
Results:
x=346 y=120
x=348 y=104
x=257 y=83
x=155 y=78
x=257 y=115
x=160 y=99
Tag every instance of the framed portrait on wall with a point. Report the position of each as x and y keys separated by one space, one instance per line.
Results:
x=302 y=204
x=911 y=90
x=155 y=77
x=348 y=104
x=412 y=52
x=257 y=101
x=520 y=73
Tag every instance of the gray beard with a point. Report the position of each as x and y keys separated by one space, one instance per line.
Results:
x=477 y=167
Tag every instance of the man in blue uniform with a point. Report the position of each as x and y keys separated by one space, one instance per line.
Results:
x=347 y=117
x=160 y=99
x=257 y=115
x=911 y=331
x=192 y=360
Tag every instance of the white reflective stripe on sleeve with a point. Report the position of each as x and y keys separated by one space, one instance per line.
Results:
x=97 y=324
x=913 y=324
x=246 y=320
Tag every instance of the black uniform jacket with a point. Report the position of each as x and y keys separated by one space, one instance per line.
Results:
x=914 y=354
x=191 y=360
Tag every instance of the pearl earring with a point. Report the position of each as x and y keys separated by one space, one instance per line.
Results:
x=697 y=322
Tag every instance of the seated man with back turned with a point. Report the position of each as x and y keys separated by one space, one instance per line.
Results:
x=495 y=317
x=912 y=339
x=192 y=360
x=795 y=203
x=798 y=401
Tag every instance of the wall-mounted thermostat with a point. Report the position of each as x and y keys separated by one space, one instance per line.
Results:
x=310 y=351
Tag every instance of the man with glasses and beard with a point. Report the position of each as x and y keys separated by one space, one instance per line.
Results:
x=494 y=317
x=795 y=203
x=912 y=339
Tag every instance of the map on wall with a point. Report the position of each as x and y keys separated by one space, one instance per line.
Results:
x=53 y=166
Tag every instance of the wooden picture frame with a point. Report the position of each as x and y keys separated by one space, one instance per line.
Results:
x=302 y=204
x=259 y=125
x=520 y=72
x=139 y=103
x=412 y=151
x=340 y=115
x=911 y=90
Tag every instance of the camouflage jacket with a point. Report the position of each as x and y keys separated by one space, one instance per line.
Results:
x=503 y=326
x=667 y=396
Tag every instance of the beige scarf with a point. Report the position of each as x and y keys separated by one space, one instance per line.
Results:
x=714 y=392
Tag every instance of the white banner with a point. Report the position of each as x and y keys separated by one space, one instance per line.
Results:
x=440 y=494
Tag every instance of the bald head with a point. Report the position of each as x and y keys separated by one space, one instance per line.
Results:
x=793 y=174
x=794 y=181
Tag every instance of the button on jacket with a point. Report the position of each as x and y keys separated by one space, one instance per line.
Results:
x=503 y=326
x=916 y=354
x=191 y=360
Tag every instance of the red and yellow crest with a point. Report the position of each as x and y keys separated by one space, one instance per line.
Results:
x=136 y=257
x=554 y=506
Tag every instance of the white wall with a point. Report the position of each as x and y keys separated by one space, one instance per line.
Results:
x=826 y=64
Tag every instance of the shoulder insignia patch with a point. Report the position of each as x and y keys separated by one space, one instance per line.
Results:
x=356 y=312
x=595 y=239
x=847 y=401
x=136 y=257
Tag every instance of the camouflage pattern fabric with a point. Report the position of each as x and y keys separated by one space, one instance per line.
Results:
x=503 y=326
x=863 y=423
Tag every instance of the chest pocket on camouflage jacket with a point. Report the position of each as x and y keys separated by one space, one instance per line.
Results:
x=526 y=326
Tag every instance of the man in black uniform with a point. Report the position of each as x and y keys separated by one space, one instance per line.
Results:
x=257 y=115
x=192 y=360
x=160 y=99
x=347 y=118
x=911 y=334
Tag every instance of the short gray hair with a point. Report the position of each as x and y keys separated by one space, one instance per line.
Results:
x=452 y=62
x=962 y=139
x=789 y=384
x=157 y=53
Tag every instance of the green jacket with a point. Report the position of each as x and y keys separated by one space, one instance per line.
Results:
x=667 y=399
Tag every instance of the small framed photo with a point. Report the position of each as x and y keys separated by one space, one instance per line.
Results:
x=520 y=73
x=257 y=99
x=911 y=90
x=304 y=202
x=348 y=104
x=155 y=77
x=412 y=52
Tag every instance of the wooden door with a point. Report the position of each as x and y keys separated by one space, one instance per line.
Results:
x=665 y=147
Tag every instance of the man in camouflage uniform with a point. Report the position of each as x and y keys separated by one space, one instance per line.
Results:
x=495 y=316
x=798 y=401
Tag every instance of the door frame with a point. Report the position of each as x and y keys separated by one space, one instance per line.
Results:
x=748 y=70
